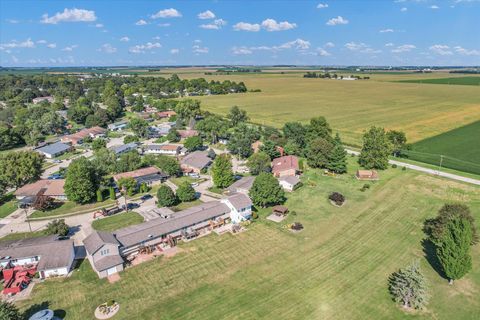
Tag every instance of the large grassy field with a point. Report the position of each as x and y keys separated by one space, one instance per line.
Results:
x=421 y=110
x=337 y=268
x=463 y=81
x=460 y=148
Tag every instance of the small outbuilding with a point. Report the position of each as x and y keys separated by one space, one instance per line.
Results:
x=289 y=183
x=366 y=175
x=280 y=210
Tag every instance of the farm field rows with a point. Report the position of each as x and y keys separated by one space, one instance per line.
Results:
x=421 y=110
x=337 y=268
x=469 y=81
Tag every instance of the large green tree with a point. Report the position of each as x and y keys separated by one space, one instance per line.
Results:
x=408 y=287
x=213 y=127
x=337 y=160
x=398 y=139
x=129 y=185
x=237 y=115
x=20 y=168
x=296 y=133
x=57 y=227
x=270 y=149
x=319 y=128
x=185 y=192
x=376 y=149
x=128 y=162
x=222 y=173
x=187 y=109
x=193 y=143
x=258 y=162
x=165 y=196
x=166 y=164
x=81 y=182
x=318 y=153
x=139 y=126
x=266 y=191
x=453 y=248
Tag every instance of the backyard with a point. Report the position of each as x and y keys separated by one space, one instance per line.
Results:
x=117 y=221
x=336 y=268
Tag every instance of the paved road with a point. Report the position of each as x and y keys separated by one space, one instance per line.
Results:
x=427 y=170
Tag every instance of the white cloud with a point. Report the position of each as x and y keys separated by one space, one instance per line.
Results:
x=404 y=48
x=322 y=6
x=99 y=25
x=389 y=44
x=198 y=49
x=70 y=15
x=245 y=26
x=107 y=48
x=70 y=48
x=52 y=45
x=156 y=38
x=167 y=13
x=164 y=24
x=15 y=44
x=13 y=21
x=42 y=41
x=386 y=30
x=434 y=7
x=272 y=25
x=336 y=21
x=298 y=44
x=125 y=39
x=467 y=52
x=197 y=41
x=141 y=22
x=360 y=47
x=322 y=52
x=215 y=25
x=241 y=51
x=142 y=48
x=206 y=15
x=441 y=49
x=404 y=9
x=329 y=45
x=174 y=51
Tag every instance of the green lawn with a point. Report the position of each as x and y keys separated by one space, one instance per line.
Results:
x=70 y=207
x=120 y=220
x=185 y=205
x=336 y=268
x=464 y=81
x=7 y=205
x=460 y=148
x=178 y=180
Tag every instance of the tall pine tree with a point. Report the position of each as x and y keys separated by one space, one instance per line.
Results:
x=408 y=287
x=338 y=157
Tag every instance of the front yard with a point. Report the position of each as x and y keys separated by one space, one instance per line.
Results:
x=117 y=221
x=70 y=207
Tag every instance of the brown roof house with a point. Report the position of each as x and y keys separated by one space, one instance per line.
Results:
x=103 y=254
x=195 y=162
x=51 y=256
x=148 y=175
x=187 y=133
x=285 y=166
x=166 y=114
x=78 y=137
x=366 y=175
x=50 y=188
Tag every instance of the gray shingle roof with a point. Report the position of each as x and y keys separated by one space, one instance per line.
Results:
x=108 y=262
x=54 y=148
x=97 y=239
x=124 y=147
x=244 y=183
x=197 y=159
x=293 y=180
x=240 y=201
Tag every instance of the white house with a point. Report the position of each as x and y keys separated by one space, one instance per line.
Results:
x=240 y=207
x=117 y=126
x=289 y=183
x=165 y=149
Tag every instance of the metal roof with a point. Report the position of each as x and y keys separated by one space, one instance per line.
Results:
x=54 y=148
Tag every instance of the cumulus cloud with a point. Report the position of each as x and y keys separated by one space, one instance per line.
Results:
x=434 y=7
x=167 y=13
x=441 y=49
x=198 y=49
x=241 y=51
x=15 y=44
x=272 y=25
x=70 y=15
x=99 y=25
x=52 y=45
x=107 y=48
x=245 y=26
x=206 y=15
x=337 y=21
x=389 y=44
x=360 y=47
x=142 y=48
x=404 y=9
x=298 y=44
x=174 y=51
x=329 y=45
x=215 y=25
x=404 y=48
x=70 y=48
x=141 y=22
x=322 y=52
x=386 y=30
x=467 y=52
x=322 y=6
x=42 y=41
x=125 y=39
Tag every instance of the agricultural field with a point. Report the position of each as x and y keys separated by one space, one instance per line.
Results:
x=421 y=110
x=460 y=148
x=463 y=81
x=336 y=268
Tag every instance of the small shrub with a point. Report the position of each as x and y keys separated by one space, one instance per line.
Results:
x=293 y=213
x=297 y=226
x=254 y=215
x=110 y=303
x=337 y=198
x=365 y=187
x=394 y=166
x=404 y=169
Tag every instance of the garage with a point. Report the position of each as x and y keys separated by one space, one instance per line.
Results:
x=111 y=271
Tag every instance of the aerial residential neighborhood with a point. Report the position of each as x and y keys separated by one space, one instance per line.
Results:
x=197 y=160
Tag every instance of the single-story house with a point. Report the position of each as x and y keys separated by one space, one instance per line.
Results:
x=128 y=241
x=78 y=137
x=103 y=254
x=289 y=183
x=49 y=99
x=54 y=150
x=367 y=175
x=124 y=148
x=49 y=188
x=166 y=114
x=187 y=133
x=52 y=257
x=118 y=126
x=285 y=166
x=243 y=185
x=148 y=175
x=195 y=162
x=166 y=149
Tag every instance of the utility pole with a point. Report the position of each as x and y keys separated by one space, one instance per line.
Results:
x=26 y=218
x=440 y=166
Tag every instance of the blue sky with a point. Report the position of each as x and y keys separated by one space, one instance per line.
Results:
x=390 y=32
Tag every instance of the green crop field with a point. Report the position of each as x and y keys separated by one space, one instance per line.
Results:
x=421 y=110
x=336 y=268
x=465 y=81
x=460 y=149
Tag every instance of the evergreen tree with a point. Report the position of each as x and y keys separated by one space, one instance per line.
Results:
x=408 y=287
x=165 y=196
x=111 y=192
x=453 y=248
x=185 y=192
x=8 y=311
x=266 y=191
x=222 y=173
x=318 y=153
x=99 y=195
x=338 y=157
x=376 y=149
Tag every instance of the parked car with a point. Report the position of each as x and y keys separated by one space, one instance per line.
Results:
x=57 y=161
x=194 y=184
x=55 y=176
x=194 y=175
x=131 y=206
x=146 y=197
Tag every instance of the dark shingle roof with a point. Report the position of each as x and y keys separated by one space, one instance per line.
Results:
x=244 y=183
x=97 y=239
x=54 y=148
x=108 y=262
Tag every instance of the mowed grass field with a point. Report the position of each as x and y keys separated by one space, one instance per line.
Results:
x=421 y=110
x=460 y=148
x=464 y=81
x=336 y=268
